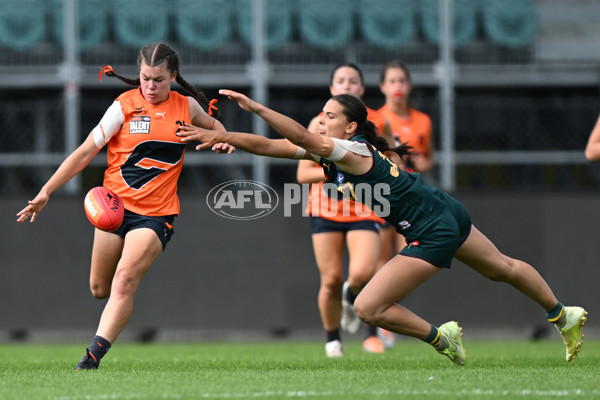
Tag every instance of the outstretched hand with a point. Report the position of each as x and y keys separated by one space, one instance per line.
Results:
x=33 y=209
x=222 y=148
x=243 y=101
x=206 y=137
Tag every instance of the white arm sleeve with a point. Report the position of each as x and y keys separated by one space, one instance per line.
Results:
x=341 y=147
x=109 y=125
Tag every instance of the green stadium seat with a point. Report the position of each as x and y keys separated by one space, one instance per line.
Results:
x=387 y=24
x=141 y=22
x=509 y=23
x=204 y=25
x=326 y=24
x=277 y=17
x=22 y=23
x=464 y=18
x=92 y=20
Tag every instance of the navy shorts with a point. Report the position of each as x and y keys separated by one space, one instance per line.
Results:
x=163 y=226
x=320 y=225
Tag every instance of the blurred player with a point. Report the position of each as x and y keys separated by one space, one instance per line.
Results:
x=144 y=162
x=436 y=226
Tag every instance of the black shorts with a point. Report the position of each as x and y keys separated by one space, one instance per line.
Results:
x=320 y=225
x=163 y=226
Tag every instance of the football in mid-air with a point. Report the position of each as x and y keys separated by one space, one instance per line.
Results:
x=104 y=209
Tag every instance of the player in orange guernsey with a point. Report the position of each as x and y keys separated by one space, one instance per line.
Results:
x=144 y=162
x=334 y=222
x=409 y=126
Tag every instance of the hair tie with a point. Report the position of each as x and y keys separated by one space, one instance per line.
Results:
x=105 y=70
x=211 y=106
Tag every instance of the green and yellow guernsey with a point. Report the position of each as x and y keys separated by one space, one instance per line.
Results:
x=399 y=197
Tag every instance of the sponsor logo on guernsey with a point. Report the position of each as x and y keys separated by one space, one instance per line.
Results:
x=242 y=200
x=404 y=224
x=139 y=110
x=139 y=125
x=162 y=114
x=340 y=178
x=413 y=243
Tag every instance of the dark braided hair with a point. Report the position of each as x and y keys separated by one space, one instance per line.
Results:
x=356 y=111
x=156 y=54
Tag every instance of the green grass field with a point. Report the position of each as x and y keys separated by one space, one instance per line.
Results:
x=300 y=370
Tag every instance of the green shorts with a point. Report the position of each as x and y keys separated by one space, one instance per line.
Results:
x=440 y=236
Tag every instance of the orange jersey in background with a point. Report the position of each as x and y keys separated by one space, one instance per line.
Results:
x=338 y=210
x=145 y=158
x=377 y=119
x=416 y=130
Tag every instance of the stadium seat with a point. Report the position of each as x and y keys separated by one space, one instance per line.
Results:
x=510 y=23
x=387 y=24
x=141 y=22
x=21 y=23
x=92 y=19
x=203 y=25
x=277 y=17
x=464 y=21
x=326 y=24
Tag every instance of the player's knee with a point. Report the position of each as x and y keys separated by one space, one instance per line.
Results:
x=332 y=283
x=503 y=272
x=365 y=311
x=124 y=283
x=99 y=291
x=359 y=279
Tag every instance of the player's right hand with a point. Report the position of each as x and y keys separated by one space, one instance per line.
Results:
x=33 y=209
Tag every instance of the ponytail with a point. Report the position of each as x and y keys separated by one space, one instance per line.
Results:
x=356 y=111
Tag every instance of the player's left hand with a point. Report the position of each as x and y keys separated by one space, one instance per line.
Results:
x=223 y=148
x=206 y=137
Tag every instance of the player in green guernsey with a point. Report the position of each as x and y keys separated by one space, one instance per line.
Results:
x=436 y=226
x=421 y=213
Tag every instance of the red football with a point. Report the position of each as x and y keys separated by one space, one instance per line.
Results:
x=104 y=209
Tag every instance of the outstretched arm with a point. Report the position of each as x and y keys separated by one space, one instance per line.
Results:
x=313 y=143
x=285 y=126
x=72 y=165
x=308 y=145
x=259 y=145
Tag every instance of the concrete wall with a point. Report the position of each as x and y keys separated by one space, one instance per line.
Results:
x=222 y=278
